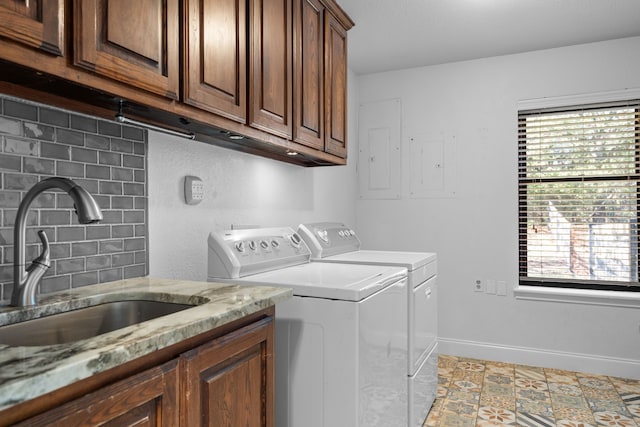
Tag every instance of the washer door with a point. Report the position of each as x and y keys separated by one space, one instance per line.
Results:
x=423 y=322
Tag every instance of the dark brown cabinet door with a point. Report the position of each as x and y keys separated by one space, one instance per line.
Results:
x=335 y=87
x=135 y=42
x=270 y=65
x=215 y=57
x=229 y=381
x=308 y=65
x=147 y=399
x=35 y=23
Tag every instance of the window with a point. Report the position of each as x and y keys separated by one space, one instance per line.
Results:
x=578 y=184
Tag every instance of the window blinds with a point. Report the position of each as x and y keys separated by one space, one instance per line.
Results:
x=578 y=176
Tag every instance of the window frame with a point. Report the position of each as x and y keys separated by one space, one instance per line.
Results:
x=529 y=287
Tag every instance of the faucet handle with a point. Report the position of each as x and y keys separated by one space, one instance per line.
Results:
x=44 y=259
x=26 y=294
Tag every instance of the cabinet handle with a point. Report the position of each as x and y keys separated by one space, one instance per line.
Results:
x=427 y=293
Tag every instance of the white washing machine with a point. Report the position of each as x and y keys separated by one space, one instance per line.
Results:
x=332 y=242
x=341 y=350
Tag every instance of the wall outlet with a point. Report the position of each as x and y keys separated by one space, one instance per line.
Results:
x=478 y=285
x=193 y=190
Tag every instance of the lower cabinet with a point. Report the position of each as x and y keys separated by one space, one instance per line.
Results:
x=227 y=381
x=145 y=399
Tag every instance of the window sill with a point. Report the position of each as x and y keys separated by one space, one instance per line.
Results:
x=578 y=296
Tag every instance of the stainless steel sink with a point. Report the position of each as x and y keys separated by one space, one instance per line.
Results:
x=85 y=323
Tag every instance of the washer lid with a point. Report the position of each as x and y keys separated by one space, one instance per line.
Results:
x=328 y=280
x=409 y=260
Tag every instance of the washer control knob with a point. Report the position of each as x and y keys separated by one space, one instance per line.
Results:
x=264 y=244
x=240 y=246
x=351 y=232
x=295 y=239
x=252 y=245
x=275 y=243
x=341 y=233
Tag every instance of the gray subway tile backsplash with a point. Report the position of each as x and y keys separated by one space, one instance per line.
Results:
x=109 y=128
x=108 y=159
x=86 y=124
x=70 y=137
x=10 y=163
x=55 y=151
x=16 y=108
x=40 y=131
x=10 y=126
x=84 y=279
x=54 y=117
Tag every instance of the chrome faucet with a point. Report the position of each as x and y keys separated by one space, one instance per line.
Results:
x=25 y=282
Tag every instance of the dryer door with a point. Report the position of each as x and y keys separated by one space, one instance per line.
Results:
x=423 y=322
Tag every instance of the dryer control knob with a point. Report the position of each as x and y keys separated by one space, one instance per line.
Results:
x=323 y=235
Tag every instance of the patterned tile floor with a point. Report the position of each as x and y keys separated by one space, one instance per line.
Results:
x=482 y=393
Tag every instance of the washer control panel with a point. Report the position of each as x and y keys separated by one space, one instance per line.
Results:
x=236 y=253
x=268 y=244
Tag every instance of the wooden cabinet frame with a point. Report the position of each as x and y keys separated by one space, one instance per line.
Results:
x=38 y=23
x=111 y=39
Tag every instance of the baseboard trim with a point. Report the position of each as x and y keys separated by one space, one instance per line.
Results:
x=595 y=364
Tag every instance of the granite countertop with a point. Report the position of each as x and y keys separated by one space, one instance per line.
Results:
x=30 y=372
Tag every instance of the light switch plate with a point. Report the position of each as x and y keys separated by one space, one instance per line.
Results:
x=501 y=288
x=491 y=286
x=193 y=190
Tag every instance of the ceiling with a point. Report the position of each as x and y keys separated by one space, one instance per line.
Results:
x=398 y=34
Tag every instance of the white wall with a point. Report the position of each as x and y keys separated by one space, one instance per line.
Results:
x=475 y=231
x=241 y=189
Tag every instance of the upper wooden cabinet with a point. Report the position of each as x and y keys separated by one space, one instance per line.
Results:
x=270 y=66
x=133 y=42
x=320 y=76
x=267 y=77
x=308 y=76
x=35 y=23
x=335 y=87
x=215 y=57
x=245 y=79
